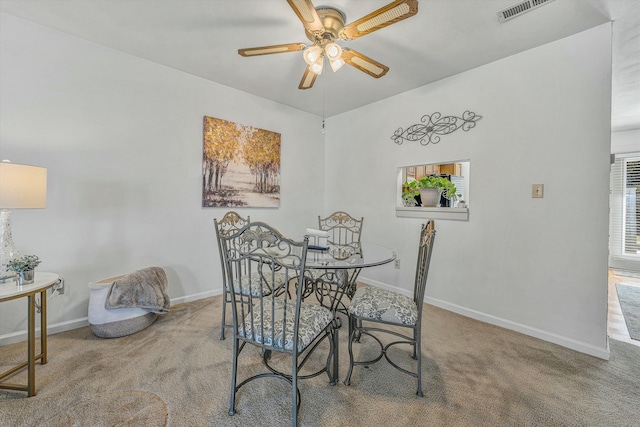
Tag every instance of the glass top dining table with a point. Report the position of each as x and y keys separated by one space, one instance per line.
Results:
x=370 y=255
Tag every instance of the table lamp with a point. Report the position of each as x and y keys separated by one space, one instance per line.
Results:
x=21 y=187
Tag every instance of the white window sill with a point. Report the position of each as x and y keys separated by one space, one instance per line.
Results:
x=458 y=214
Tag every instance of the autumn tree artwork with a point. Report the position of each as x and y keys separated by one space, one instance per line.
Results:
x=241 y=165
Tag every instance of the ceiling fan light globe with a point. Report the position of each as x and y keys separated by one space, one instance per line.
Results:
x=333 y=51
x=312 y=54
x=336 y=64
x=317 y=66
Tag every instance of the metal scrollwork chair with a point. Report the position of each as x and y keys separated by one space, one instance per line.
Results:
x=343 y=242
x=344 y=234
x=275 y=323
x=372 y=305
x=231 y=222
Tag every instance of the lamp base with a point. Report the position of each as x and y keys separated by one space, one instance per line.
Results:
x=8 y=250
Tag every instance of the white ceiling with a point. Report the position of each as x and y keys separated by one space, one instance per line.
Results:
x=446 y=37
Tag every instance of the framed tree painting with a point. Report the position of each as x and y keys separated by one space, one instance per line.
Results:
x=240 y=165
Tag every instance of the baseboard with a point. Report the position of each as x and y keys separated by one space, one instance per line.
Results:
x=54 y=328
x=382 y=285
x=625 y=273
x=195 y=297
x=601 y=353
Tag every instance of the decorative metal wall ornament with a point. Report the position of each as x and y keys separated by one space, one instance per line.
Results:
x=434 y=126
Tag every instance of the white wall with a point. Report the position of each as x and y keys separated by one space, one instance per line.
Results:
x=538 y=266
x=122 y=140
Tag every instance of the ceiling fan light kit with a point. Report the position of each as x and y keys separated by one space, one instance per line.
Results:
x=324 y=26
x=317 y=66
x=312 y=54
x=336 y=64
x=333 y=51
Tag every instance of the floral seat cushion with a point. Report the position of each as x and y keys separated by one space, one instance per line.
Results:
x=374 y=303
x=314 y=319
x=254 y=285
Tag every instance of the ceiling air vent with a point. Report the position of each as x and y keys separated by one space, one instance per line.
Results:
x=520 y=8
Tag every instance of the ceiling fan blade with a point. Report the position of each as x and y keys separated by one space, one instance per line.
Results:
x=383 y=17
x=364 y=63
x=308 y=79
x=268 y=50
x=308 y=16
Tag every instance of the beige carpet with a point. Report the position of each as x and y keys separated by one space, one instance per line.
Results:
x=177 y=373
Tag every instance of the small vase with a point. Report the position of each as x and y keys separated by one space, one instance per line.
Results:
x=24 y=277
x=28 y=277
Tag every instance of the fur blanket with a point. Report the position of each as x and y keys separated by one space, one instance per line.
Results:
x=141 y=289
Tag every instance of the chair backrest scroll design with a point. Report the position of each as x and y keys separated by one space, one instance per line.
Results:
x=344 y=233
x=231 y=222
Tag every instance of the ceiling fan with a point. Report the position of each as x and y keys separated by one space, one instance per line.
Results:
x=324 y=25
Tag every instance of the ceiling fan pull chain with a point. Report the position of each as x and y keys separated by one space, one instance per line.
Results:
x=323 y=93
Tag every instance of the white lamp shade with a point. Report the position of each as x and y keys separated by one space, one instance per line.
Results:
x=312 y=53
x=333 y=50
x=22 y=186
x=336 y=64
x=317 y=66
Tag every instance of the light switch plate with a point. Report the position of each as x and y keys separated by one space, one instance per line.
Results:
x=537 y=191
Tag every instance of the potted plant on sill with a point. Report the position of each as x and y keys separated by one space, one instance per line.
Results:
x=429 y=188
x=24 y=267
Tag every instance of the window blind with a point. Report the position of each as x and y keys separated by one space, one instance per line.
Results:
x=624 y=215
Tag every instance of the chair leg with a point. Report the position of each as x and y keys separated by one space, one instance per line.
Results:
x=415 y=344
x=418 y=350
x=294 y=394
x=335 y=354
x=329 y=365
x=223 y=325
x=347 y=380
x=353 y=327
x=234 y=373
x=357 y=325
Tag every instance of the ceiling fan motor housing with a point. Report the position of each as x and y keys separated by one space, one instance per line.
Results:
x=332 y=20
